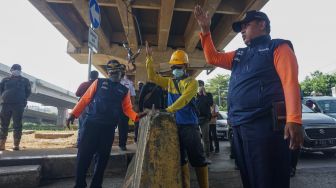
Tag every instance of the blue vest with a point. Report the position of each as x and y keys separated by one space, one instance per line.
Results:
x=106 y=105
x=254 y=82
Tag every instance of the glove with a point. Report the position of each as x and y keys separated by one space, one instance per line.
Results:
x=70 y=120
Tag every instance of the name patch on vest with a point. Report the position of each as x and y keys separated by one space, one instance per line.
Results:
x=263 y=50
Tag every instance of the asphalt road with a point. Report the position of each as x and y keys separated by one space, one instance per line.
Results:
x=315 y=170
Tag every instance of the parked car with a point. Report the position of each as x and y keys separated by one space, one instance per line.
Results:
x=319 y=132
x=323 y=104
x=222 y=126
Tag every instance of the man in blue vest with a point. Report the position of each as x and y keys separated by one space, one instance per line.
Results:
x=263 y=88
x=108 y=99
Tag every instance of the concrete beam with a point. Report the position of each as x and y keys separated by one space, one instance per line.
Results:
x=226 y=7
x=48 y=13
x=192 y=31
x=128 y=23
x=166 y=15
x=83 y=9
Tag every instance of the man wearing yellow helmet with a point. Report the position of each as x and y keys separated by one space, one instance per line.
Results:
x=181 y=92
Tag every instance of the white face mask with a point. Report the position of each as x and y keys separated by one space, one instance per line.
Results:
x=16 y=72
x=200 y=88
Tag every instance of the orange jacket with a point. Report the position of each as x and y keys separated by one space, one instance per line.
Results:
x=285 y=64
x=89 y=94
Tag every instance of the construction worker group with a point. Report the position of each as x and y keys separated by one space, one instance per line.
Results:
x=264 y=74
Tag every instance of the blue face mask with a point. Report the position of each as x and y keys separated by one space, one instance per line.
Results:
x=178 y=73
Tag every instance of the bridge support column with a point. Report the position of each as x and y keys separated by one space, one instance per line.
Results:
x=61 y=116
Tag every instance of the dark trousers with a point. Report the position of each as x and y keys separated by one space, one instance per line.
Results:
x=262 y=155
x=7 y=112
x=191 y=146
x=294 y=157
x=213 y=137
x=95 y=142
x=123 y=130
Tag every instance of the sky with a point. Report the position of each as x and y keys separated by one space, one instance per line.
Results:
x=28 y=38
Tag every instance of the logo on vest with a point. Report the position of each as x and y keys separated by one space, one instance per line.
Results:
x=104 y=85
x=238 y=55
x=263 y=50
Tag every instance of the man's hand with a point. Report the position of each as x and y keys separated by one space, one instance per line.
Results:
x=203 y=19
x=141 y=115
x=293 y=131
x=149 y=50
x=71 y=120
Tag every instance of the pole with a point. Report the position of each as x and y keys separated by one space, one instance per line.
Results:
x=90 y=58
x=219 y=98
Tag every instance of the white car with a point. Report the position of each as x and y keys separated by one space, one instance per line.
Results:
x=222 y=126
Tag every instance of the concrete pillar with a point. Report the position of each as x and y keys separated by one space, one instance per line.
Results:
x=61 y=116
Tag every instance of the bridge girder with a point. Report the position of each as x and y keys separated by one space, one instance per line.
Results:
x=166 y=24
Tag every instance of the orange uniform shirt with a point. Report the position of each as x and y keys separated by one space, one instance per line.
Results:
x=285 y=64
x=89 y=94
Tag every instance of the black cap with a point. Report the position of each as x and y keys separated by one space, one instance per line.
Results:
x=250 y=16
x=16 y=67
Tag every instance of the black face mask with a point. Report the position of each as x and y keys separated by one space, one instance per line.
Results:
x=115 y=76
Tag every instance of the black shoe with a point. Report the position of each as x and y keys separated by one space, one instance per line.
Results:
x=123 y=148
x=292 y=172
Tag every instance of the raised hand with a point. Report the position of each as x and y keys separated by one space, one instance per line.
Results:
x=203 y=19
x=149 y=50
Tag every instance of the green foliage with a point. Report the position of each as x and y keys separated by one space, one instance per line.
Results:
x=319 y=83
x=218 y=86
x=42 y=127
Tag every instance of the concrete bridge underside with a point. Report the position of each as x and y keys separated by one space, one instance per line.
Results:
x=166 y=24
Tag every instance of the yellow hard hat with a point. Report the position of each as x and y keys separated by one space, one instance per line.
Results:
x=179 y=57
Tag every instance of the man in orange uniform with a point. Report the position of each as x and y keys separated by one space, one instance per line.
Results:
x=107 y=99
x=263 y=74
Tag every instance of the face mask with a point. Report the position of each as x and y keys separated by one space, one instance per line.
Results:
x=115 y=77
x=200 y=88
x=178 y=73
x=16 y=72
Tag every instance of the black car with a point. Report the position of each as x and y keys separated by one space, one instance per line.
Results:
x=319 y=132
x=323 y=104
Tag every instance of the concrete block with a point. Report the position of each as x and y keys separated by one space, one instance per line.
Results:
x=157 y=160
x=53 y=135
x=27 y=176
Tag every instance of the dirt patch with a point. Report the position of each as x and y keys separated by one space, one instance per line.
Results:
x=30 y=142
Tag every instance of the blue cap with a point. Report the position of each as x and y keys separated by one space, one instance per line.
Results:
x=250 y=16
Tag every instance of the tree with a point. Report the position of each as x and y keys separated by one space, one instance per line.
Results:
x=218 y=86
x=319 y=83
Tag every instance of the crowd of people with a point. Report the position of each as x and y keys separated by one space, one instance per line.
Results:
x=264 y=79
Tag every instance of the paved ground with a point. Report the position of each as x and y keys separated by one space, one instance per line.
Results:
x=314 y=170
